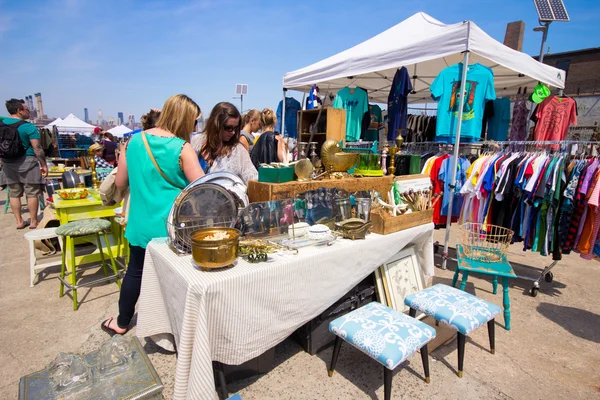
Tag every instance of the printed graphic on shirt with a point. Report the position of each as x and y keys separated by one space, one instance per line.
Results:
x=552 y=119
x=469 y=93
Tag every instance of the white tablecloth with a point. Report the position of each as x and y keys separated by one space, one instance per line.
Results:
x=235 y=314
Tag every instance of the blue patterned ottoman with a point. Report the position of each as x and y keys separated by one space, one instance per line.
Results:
x=384 y=334
x=457 y=309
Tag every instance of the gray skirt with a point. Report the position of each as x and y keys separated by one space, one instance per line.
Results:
x=24 y=169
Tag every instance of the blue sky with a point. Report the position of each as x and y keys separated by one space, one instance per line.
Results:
x=131 y=55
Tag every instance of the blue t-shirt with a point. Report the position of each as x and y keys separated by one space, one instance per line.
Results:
x=356 y=103
x=397 y=102
x=26 y=131
x=461 y=176
x=445 y=89
x=292 y=106
x=499 y=123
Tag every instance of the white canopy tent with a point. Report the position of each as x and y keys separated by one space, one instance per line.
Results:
x=51 y=124
x=72 y=124
x=425 y=46
x=119 y=131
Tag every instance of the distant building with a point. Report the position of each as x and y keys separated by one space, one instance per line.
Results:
x=86 y=116
x=131 y=121
x=110 y=121
x=120 y=118
x=100 y=120
x=39 y=106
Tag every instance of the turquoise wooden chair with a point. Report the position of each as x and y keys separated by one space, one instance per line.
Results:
x=497 y=270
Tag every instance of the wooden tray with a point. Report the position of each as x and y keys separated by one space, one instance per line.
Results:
x=384 y=223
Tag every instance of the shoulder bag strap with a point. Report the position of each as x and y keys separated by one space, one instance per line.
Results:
x=155 y=163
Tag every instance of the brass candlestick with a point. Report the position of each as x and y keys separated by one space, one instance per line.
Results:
x=392 y=168
x=95 y=184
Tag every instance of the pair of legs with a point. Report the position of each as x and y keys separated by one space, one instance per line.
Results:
x=32 y=191
x=130 y=291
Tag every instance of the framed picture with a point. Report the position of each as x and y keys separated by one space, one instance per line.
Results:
x=401 y=276
x=379 y=290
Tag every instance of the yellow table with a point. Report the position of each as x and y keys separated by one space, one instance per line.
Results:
x=91 y=207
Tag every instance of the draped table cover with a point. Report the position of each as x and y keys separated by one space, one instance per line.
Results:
x=234 y=314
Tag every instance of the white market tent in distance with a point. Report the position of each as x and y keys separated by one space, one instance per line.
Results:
x=425 y=46
x=119 y=131
x=51 y=124
x=72 y=124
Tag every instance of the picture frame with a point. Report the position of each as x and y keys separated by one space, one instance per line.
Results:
x=401 y=276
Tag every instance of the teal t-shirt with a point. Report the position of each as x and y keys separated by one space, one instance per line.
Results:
x=27 y=131
x=151 y=196
x=356 y=103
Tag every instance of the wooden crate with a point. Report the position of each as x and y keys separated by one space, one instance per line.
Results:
x=333 y=119
x=263 y=191
x=384 y=223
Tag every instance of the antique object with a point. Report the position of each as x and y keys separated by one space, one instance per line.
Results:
x=334 y=160
x=354 y=228
x=73 y=193
x=68 y=371
x=342 y=209
x=318 y=232
x=384 y=153
x=303 y=169
x=212 y=200
x=399 y=139
x=138 y=380
x=70 y=179
x=298 y=229
x=95 y=183
x=328 y=222
x=313 y=152
x=392 y=168
x=363 y=208
x=384 y=223
x=278 y=174
x=302 y=150
x=215 y=247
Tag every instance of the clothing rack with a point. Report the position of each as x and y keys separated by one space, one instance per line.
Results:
x=546 y=273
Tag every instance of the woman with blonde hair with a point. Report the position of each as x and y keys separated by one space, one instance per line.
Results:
x=250 y=125
x=156 y=165
x=219 y=147
x=270 y=146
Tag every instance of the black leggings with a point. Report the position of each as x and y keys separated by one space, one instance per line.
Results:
x=131 y=285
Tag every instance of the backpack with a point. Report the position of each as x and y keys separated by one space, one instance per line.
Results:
x=10 y=143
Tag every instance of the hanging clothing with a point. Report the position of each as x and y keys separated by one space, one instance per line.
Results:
x=518 y=128
x=356 y=103
x=375 y=123
x=498 y=123
x=292 y=106
x=398 y=102
x=313 y=101
x=445 y=89
x=554 y=115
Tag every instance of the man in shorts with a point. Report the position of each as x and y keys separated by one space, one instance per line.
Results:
x=24 y=174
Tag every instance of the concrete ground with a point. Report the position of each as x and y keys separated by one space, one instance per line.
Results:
x=552 y=350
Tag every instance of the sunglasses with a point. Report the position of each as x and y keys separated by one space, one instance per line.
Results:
x=230 y=128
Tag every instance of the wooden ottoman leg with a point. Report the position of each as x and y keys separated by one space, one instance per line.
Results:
x=336 y=353
x=412 y=312
x=387 y=383
x=460 y=338
x=425 y=359
x=492 y=334
x=506 y=303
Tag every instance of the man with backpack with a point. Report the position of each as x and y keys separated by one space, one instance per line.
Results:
x=23 y=161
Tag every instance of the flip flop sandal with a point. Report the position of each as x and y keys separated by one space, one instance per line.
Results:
x=25 y=225
x=109 y=330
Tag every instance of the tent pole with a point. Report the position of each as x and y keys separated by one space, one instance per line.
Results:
x=463 y=84
x=283 y=114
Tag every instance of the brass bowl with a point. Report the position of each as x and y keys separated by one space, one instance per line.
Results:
x=354 y=228
x=334 y=159
x=342 y=162
x=212 y=254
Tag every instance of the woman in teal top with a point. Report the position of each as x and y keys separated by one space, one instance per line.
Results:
x=151 y=194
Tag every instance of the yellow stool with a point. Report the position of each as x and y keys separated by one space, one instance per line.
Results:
x=84 y=227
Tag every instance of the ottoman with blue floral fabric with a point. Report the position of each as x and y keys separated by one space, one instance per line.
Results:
x=457 y=309
x=453 y=307
x=384 y=334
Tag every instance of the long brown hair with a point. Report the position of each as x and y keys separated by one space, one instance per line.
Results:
x=178 y=116
x=214 y=147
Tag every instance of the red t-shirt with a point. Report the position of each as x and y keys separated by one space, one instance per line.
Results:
x=555 y=114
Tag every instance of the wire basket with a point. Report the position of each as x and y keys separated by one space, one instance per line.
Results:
x=180 y=236
x=485 y=242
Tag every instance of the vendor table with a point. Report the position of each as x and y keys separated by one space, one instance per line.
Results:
x=235 y=314
x=91 y=207
x=264 y=191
